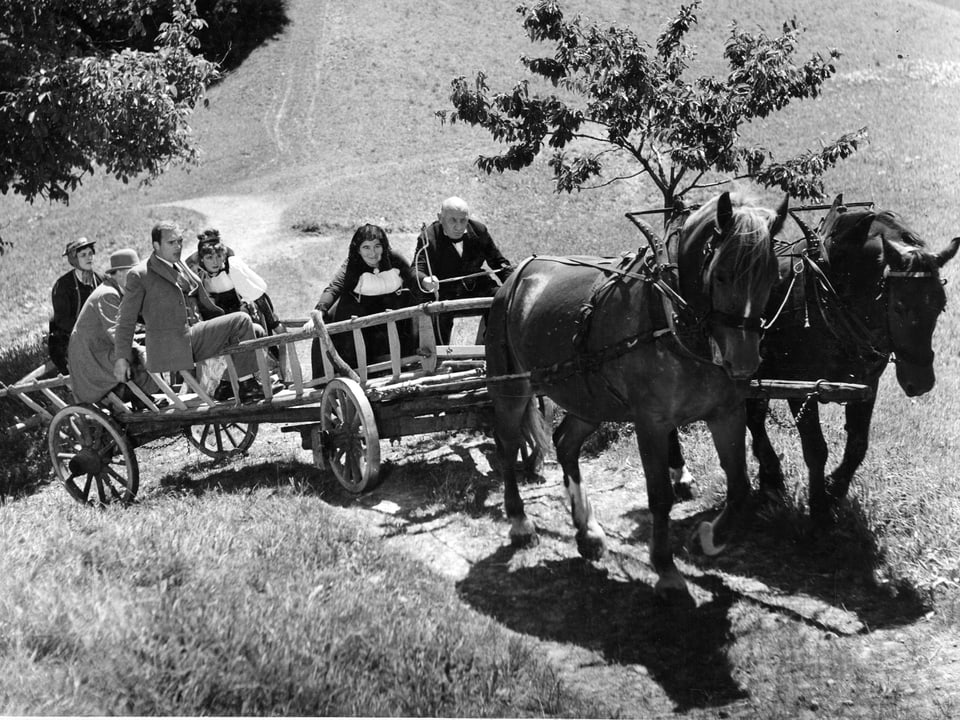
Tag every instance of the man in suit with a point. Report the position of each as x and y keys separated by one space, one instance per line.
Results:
x=454 y=248
x=183 y=325
x=91 y=349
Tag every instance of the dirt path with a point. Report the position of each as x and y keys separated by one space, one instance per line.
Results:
x=599 y=623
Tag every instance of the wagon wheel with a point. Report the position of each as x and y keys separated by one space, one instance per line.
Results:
x=351 y=440
x=222 y=440
x=92 y=456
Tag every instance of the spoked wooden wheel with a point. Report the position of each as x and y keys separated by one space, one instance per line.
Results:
x=222 y=440
x=351 y=441
x=92 y=456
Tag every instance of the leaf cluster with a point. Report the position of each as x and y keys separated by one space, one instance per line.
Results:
x=621 y=97
x=77 y=90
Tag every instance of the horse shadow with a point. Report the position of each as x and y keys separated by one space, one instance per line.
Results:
x=571 y=601
x=781 y=547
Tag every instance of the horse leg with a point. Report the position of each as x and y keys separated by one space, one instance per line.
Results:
x=680 y=478
x=806 y=414
x=568 y=439
x=509 y=406
x=858 y=416
x=770 y=472
x=653 y=442
x=729 y=439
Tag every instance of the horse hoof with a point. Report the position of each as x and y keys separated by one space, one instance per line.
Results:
x=684 y=486
x=591 y=547
x=705 y=535
x=672 y=590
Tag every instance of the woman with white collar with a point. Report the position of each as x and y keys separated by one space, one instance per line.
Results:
x=372 y=279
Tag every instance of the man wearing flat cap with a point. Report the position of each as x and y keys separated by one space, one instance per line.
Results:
x=69 y=293
x=183 y=325
x=91 y=349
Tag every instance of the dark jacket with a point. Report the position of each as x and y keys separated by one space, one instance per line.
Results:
x=68 y=295
x=441 y=259
x=340 y=291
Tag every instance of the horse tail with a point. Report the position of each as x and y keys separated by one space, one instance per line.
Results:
x=536 y=428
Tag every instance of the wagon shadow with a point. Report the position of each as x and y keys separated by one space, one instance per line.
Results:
x=232 y=476
x=571 y=601
x=454 y=479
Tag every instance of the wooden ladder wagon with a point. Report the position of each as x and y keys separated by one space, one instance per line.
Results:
x=344 y=412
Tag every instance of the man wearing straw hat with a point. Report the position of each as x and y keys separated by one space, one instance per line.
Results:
x=91 y=348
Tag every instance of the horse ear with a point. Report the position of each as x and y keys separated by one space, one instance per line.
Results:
x=724 y=211
x=892 y=253
x=836 y=209
x=776 y=225
x=948 y=252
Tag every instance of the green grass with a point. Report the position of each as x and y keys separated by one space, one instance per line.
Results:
x=265 y=601
x=262 y=602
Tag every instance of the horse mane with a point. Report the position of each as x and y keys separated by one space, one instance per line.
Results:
x=751 y=224
x=893 y=223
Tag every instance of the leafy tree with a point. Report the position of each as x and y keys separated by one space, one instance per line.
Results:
x=627 y=104
x=76 y=92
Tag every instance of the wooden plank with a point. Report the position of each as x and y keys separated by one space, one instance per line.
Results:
x=168 y=391
x=266 y=384
x=144 y=398
x=825 y=390
x=30 y=403
x=393 y=338
x=421 y=425
x=195 y=385
x=428 y=344
x=234 y=378
x=361 y=351
x=54 y=399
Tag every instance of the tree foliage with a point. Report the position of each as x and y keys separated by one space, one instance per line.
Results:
x=76 y=92
x=624 y=98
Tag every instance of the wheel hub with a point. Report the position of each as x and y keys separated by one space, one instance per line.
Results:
x=85 y=462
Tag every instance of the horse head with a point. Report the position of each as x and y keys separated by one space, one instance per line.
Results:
x=914 y=297
x=727 y=269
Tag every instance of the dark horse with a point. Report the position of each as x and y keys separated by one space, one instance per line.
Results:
x=598 y=339
x=860 y=292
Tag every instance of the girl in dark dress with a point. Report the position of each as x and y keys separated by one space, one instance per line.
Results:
x=372 y=279
x=69 y=293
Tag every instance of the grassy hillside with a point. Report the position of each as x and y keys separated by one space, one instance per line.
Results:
x=332 y=125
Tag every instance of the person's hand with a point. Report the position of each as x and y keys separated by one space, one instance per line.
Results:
x=430 y=283
x=121 y=370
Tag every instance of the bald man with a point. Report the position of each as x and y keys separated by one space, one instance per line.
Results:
x=454 y=246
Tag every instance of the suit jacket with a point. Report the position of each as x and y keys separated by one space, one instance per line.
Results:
x=92 y=346
x=92 y=343
x=152 y=292
x=443 y=259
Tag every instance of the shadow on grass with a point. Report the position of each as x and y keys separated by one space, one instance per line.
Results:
x=575 y=602
x=229 y=476
x=781 y=547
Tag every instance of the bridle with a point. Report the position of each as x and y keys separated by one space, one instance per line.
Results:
x=719 y=317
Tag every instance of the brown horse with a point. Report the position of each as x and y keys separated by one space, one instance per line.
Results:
x=868 y=292
x=600 y=342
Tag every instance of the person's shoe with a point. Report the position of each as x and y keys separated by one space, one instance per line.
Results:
x=250 y=390
x=223 y=392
